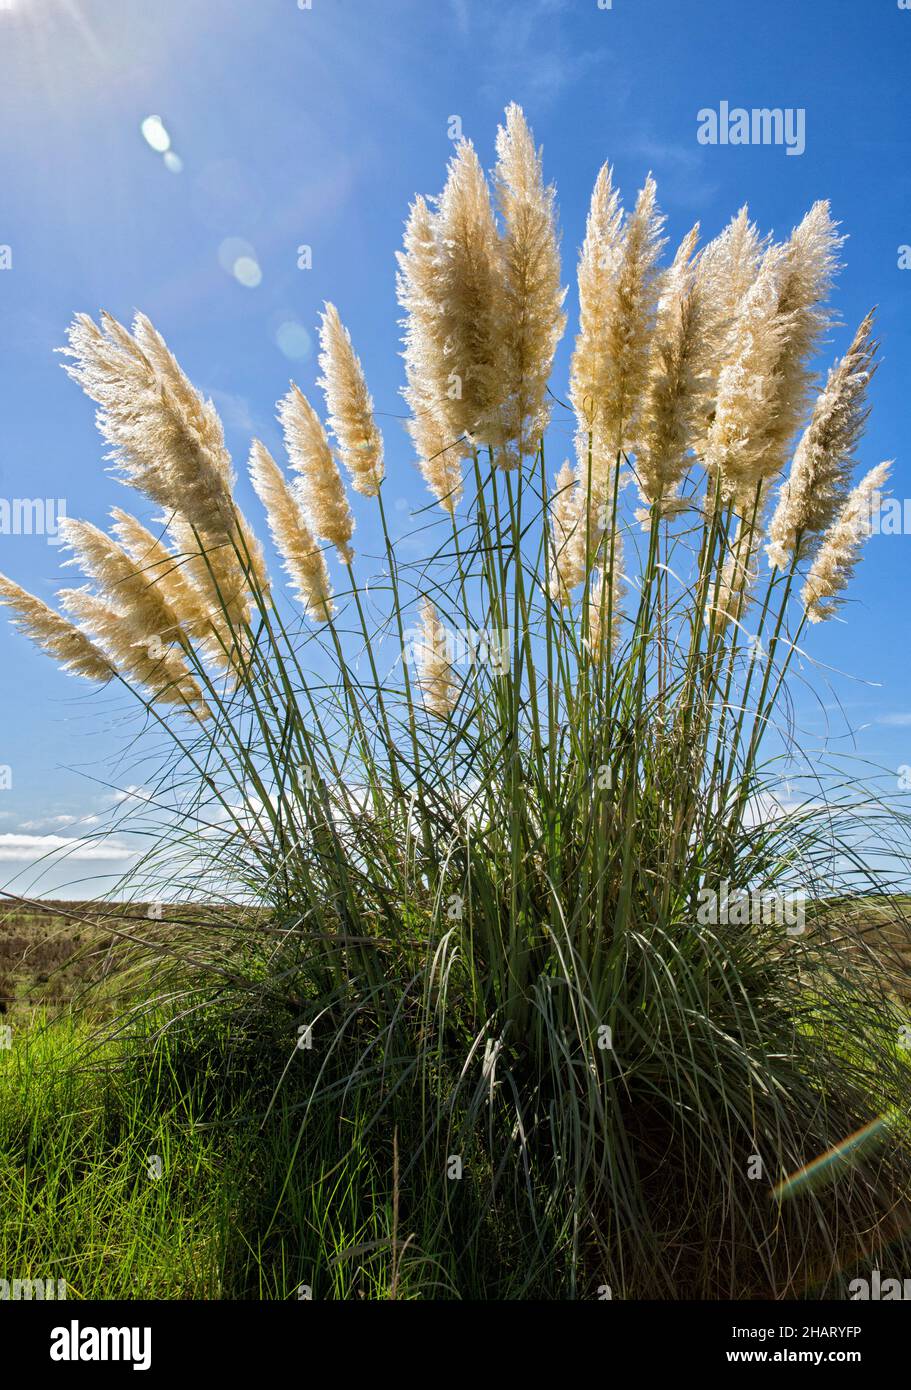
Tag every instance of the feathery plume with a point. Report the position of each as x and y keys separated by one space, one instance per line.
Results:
x=321 y=491
x=533 y=318
x=350 y=405
x=439 y=453
x=165 y=439
x=725 y=270
x=54 y=634
x=140 y=602
x=140 y=657
x=763 y=389
x=676 y=396
x=808 y=271
x=841 y=546
x=164 y=569
x=435 y=679
x=568 y=544
x=305 y=563
x=467 y=303
x=598 y=261
x=618 y=293
x=438 y=460
x=167 y=442
x=823 y=461
x=737 y=441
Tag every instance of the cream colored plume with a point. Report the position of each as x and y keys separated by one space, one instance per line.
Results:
x=214 y=571
x=350 y=406
x=468 y=309
x=683 y=347
x=533 y=317
x=321 y=490
x=729 y=264
x=192 y=606
x=304 y=561
x=439 y=461
x=142 y=604
x=725 y=270
x=53 y=634
x=439 y=455
x=841 y=546
x=823 y=462
x=763 y=389
x=167 y=442
x=435 y=680
x=568 y=566
x=738 y=440
x=138 y=656
x=598 y=263
x=619 y=283
x=439 y=452
x=809 y=268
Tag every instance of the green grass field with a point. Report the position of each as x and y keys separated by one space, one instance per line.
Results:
x=135 y=1162
x=133 y=1159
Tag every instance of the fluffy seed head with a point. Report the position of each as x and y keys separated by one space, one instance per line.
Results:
x=598 y=260
x=725 y=270
x=295 y=542
x=841 y=546
x=533 y=318
x=143 y=659
x=438 y=460
x=764 y=387
x=808 y=270
x=163 y=569
x=167 y=441
x=141 y=603
x=568 y=543
x=823 y=461
x=468 y=306
x=321 y=490
x=350 y=406
x=677 y=391
x=435 y=680
x=439 y=451
x=738 y=440
x=618 y=292
x=53 y=634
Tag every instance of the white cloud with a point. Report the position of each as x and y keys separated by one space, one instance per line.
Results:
x=57 y=822
x=898 y=721
x=133 y=793
x=28 y=849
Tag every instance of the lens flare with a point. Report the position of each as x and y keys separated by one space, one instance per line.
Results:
x=821 y=1169
x=155 y=134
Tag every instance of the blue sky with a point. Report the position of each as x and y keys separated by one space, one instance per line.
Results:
x=316 y=127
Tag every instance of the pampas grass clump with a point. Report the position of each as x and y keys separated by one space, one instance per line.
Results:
x=481 y=815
